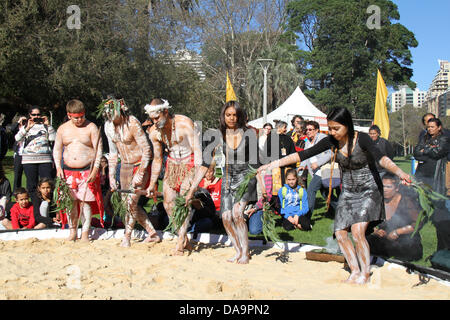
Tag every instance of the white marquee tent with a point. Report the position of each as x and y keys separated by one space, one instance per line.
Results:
x=297 y=103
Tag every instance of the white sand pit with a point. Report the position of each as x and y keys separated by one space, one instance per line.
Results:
x=55 y=269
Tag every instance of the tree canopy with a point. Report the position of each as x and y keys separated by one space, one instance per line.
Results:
x=127 y=48
x=342 y=54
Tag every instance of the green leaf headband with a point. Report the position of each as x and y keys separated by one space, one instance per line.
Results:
x=110 y=107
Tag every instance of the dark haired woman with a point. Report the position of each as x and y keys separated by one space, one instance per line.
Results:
x=37 y=135
x=240 y=148
x=392 y=237
x=381 y=144
x=432 y=152
x=361 y=199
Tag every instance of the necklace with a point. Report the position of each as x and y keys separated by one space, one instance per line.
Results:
x=173 y=138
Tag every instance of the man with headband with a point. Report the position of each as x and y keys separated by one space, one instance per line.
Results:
x=127 y=139
x=177 y=133
x=82 y=146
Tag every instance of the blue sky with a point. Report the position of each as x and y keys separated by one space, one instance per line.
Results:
x=430 y=23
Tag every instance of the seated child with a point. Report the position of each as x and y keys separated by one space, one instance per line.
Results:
x=293 y=203
x=5 y=195
x=44 y=207
x=22 y=213
x=214 y=186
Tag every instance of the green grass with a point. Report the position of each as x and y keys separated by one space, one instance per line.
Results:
x=322 y=225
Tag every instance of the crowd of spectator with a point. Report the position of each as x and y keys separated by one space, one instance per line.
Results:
x=286 y=189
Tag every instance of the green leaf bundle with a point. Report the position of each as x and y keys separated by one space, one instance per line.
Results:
x=119 y=205
x=101 y=109
x=104 y=107
x=268 y=220
x=62 y=196
x=426 y=198
x=244 y=185
x=179 y=214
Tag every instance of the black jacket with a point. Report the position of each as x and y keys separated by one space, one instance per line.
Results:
x=432 y=152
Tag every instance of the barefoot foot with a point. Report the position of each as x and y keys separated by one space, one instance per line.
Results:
x=72 y=236
x=177 y=252
x=244 y=259
x=235 y=258
x=125 y=242
x=85 y=236
x=153 y=238
x=352 y=278
x=363 y=279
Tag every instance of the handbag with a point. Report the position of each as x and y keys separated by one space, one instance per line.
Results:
x=331 y=174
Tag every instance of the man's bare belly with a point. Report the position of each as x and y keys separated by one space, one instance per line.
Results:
x=77 y=155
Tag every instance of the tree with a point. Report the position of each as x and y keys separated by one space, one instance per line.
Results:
x=118 y=49
x=233 y=35
x=283 y=78
x=406 y=126
x=342 y=54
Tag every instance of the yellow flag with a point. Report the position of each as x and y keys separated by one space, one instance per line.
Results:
x=231 y=96
x=381 y=118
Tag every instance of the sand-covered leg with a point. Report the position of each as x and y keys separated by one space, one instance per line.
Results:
x=347 y=248
x=86 y=219
x=241 y=232
x=362 y=251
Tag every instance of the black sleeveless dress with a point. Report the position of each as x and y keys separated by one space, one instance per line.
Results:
x=361 y=199
x=236 y=167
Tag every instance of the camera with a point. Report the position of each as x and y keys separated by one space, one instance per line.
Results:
x=38 y=120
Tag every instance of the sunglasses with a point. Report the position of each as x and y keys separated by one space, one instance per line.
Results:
x=35 y=114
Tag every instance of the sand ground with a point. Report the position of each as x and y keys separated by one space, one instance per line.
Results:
x=55 y=269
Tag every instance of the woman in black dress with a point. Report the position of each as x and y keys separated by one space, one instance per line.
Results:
x=240 y=148
x=361 y=199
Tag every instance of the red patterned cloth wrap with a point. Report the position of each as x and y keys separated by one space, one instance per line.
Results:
x=76 y=181
x=149 y=170
x=177 y=170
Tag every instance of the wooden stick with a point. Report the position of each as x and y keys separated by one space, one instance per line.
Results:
x=330 y=190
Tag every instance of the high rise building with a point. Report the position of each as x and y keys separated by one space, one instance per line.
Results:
x=406 y=95
x=439 y=86
x=192 y=59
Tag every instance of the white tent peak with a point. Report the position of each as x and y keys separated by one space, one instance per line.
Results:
x=297 y=103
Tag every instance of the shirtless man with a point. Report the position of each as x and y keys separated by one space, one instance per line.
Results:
x=177 y=133
x=82 y=148
x=127 y=139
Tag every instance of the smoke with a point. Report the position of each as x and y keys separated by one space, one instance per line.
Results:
x=332 y=245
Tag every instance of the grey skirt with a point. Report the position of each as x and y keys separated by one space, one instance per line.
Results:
x=360 y=199
x=233 y=177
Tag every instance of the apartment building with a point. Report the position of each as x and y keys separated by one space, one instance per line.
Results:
x=406 y=95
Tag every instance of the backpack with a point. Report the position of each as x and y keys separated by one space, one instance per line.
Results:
x=300 y=194
x=3 y=143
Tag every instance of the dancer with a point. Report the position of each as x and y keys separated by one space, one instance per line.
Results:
x=82 y=146
x=127 y=140
x=361 y=199
x=178 y=134
x=239 y=152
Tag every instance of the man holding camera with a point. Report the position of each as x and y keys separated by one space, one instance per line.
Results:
x=36 y=134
